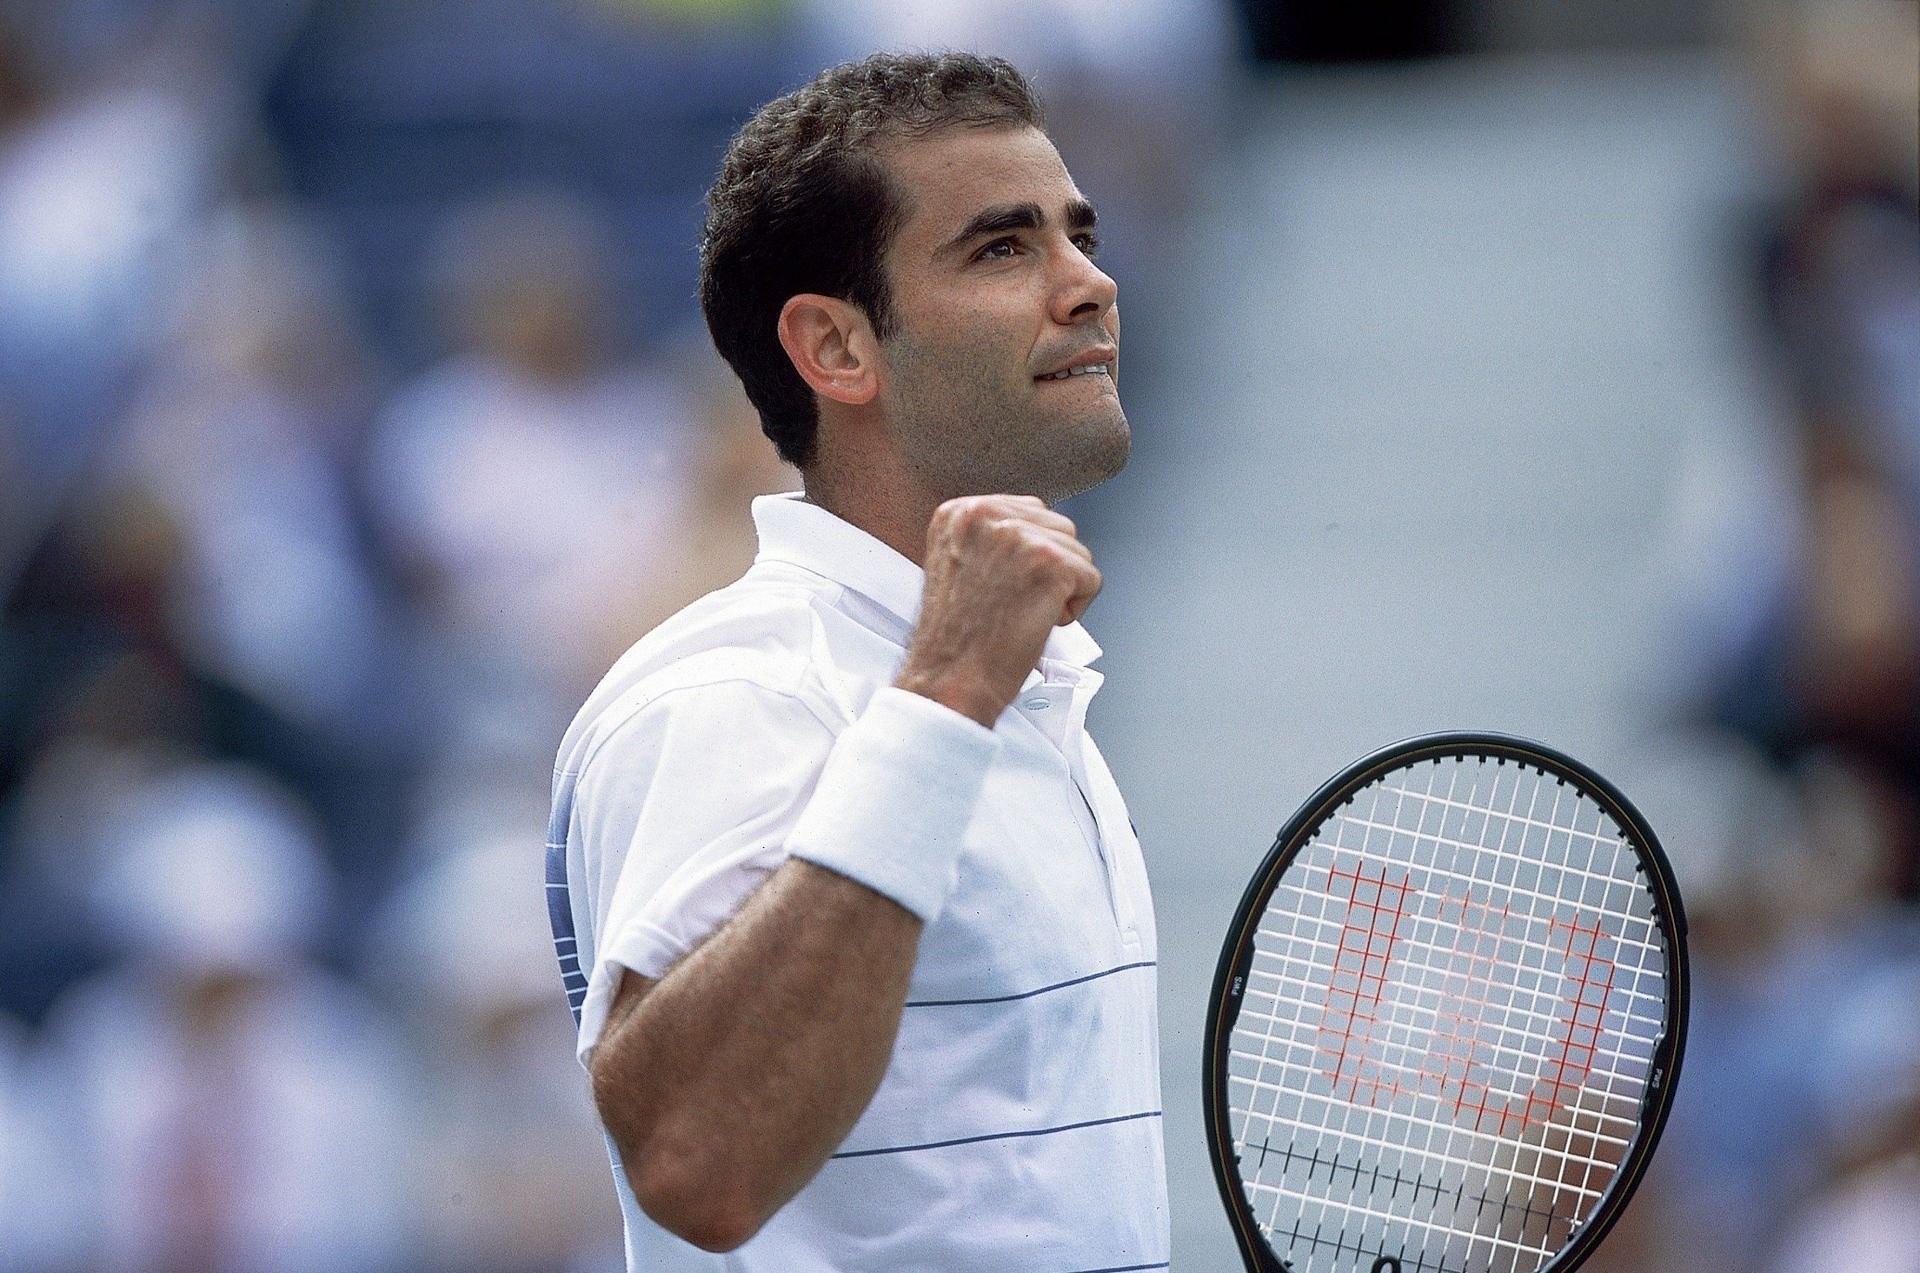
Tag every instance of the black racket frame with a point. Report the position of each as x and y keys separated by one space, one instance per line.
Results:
x=1236 y=957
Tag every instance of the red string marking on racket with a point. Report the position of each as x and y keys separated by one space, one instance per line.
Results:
x=1585 y=1013
x=1348 y=1011
x=1458 y=1047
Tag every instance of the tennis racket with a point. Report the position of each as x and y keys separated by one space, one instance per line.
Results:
x=1448 y=1017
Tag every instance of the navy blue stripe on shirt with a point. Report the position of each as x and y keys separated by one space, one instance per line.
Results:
x=1027 y=994
x=971 y=1140
x=560 y=917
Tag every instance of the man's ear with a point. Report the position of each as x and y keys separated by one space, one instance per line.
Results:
x=831 y=345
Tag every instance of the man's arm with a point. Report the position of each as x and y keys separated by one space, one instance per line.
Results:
x=727 y=1083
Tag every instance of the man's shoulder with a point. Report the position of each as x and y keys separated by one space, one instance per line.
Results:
x=761 y=636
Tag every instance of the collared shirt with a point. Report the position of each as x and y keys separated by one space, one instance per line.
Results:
x=1018 y=1125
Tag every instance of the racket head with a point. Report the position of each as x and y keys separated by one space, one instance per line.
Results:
x=1560 y=1086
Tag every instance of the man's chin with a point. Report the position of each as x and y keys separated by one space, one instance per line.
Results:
x=1098 y=458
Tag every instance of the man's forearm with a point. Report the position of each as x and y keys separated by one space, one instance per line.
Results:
x=727 y=1083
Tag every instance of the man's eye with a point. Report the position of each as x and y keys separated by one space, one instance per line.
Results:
x=992 y=251
x=1088 y=243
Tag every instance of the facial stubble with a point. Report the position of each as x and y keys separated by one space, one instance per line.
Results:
x=963 y=430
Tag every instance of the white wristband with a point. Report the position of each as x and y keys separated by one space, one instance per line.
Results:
x=893 y=802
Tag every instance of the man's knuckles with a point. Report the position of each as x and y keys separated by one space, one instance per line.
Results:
x=973 y=512
x=1041 y=557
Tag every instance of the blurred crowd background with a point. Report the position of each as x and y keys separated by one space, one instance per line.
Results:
x=355 y=413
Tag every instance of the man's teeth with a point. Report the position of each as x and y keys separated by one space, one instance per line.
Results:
x=1091 y=369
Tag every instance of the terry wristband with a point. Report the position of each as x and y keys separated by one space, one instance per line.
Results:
x=893 y=802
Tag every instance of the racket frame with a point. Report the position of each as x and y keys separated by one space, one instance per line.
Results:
x=1236 y=958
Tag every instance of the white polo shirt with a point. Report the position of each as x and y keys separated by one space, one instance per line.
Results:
x=1018 y=1125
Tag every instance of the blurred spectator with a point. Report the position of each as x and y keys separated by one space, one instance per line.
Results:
x=1788 y=920
x=94 y=702
x=531 y=482
x=242 y=442
x=1755 y=1004
x=242 y=439
x=715 y=541
x=215 y=1103
x=1821 y=655
x=1865 y=1218
x=103 y=171
x=513 y=1177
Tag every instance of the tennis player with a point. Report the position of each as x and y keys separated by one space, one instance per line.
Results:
x=853 y=921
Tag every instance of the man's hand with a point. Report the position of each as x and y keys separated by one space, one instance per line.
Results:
x=1002 y=572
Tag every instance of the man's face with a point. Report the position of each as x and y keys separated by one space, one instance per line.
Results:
x=994 y=291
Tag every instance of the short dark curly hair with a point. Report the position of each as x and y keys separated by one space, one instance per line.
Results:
x=803 y=203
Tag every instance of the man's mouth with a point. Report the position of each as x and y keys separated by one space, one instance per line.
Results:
x=1091 y=369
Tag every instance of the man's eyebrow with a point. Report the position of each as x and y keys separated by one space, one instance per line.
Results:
x=1002 y=217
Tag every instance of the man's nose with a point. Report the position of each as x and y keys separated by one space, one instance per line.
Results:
x=1085 y=290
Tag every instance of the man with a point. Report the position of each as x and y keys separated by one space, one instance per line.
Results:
x=869 y=953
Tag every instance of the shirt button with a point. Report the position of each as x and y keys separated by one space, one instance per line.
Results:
x=1037 y=704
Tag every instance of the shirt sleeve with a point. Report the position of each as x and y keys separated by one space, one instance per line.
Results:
x=693 y=802
x=680 y=815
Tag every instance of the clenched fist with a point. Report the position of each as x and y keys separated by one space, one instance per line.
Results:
x=1002 y=572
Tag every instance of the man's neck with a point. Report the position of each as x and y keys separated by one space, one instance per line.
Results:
x=876 y=508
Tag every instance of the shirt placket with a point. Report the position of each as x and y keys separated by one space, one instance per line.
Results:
x=1057 y=707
